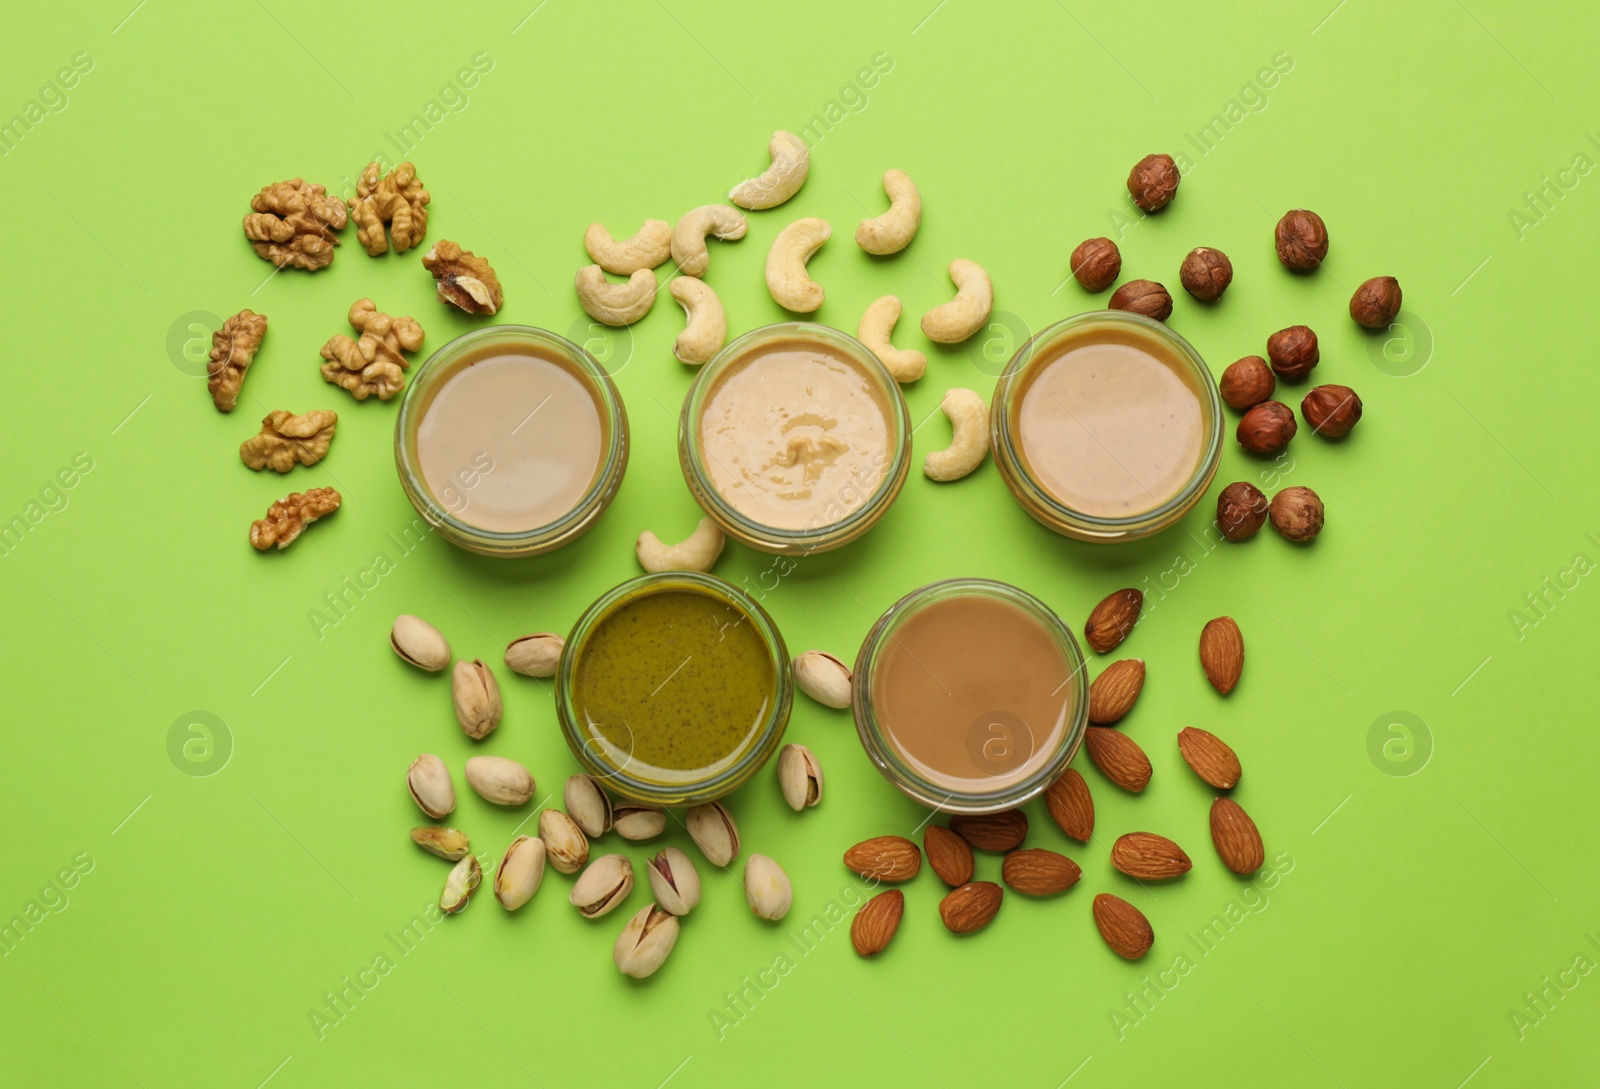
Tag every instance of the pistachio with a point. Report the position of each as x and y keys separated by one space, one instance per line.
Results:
x=476 y=696
x=645 y=942
x=588 y=805
x=521 y=871
x=448 y=843
x=429 y=782
x=823 y=677
x=535 y=655
x=499 y=780
x=603 y=885
x=465 y=877
x=674 y=880
x=713 y=831
x=564 y=841
x=767 y=888
x=635 y=821
x=419 y=643
x=800 y=776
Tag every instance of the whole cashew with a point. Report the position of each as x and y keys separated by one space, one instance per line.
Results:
x=894 y=230
x=689 y=236
x=648 y=248
x=904 y=364
x=969 y=422
x=616 y=304
x=781 y=180
x=696 y=552
x=786 y=264
x=707 y=326
x=965 y=314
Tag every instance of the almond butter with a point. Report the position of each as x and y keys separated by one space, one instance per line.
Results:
x=971 y=906
x=1123 y=926
x=1071 y=805
x=885 y=858
x=1038 y=872
x=1149 y=857
x=1221 y=654
x=876 y=922
x=948 y=854
x=1236 y=837
x=1112 y=620
x=1118 y=757
x=1113 y=693
x=1003 y=831
x=1209 y=757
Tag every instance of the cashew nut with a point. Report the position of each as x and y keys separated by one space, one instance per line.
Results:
x=786 y=264
x=969 y=422
x=696 y=552
x=689 y=236
x=648 y=248
x=616 y=304
x=904 y=364
x=707 y=327
x=965 y=314
x=781 y=180
x=894 y=230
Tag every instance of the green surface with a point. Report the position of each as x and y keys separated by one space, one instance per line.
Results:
x=1410 y=915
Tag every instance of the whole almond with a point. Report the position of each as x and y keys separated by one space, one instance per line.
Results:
x=885 y=858
x=1236 y=838
x=876 y=922
x=1113 y=693
x=1118 y=757
x=1123 y=926
x=1149 y=857
x=970 y=907
x=948 y=854
x=1003 y=831
x=1038 y=872
x=1112 y=620
x=1209 y=757
x=1071 y=806
x=1221 y=654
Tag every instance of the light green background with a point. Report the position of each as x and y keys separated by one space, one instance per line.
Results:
x=1411 y=914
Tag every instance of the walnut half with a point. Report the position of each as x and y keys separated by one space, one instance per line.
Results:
x=372 y=364
x=465 y=280
x=232 y=348
x=397 y=200
x=293 y=223
x=287 y=440
x=288 y=517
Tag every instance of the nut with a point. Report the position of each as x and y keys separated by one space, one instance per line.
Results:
x=603 y=884
x=674 y=880
x=903 y=364
x=464 y=879
x=499 y=780
x=696 y=552
x=1266 y=428
x=1096 y=264
x=875 y=924
x=1331 y=410
x=650 y=246
x=958 y=319
x=288 y=517
x=1146 y=856
x=232 y=349
x=766 y=888
x=536 y=655
x=428 y=780
x=1153 y=182
x=781 y=180
x=521 y=872
x=1111 y=621
x=823 y=677
x=293 y=223
x=1071 y=806
x=969 y=908
x=1241 y=510
x=791 y=287
x=1123 y=926
x=1296 y=513
x=1293 y=352
x=893 y=231
x=635 y=821
x=949 y=855
x=397 y=200
x=645 y=942
x=1114 y=692
x=466 y=280
x=712 y=828
x=1118 y=757
x=1302 y=240
x=885 y=858
x=287 y=440
x=375 y=361
x=1376 y=302
x=1144 y=297
x=706 y=326
x=615 y=304
x=1037 y=872
x=1209 y=757
x=1222 y=653
x=689 y=236
x=1206 y=273
x=969 y=440
x=476 y=696
x=419 y=643
x=1236 y=838
x=1247 y=382
x=448 y=843
x=564 y=841
x=1002 y=831
x=799 y=777
x=588 y=805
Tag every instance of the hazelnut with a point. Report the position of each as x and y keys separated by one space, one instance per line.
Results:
x=1296 y=513
x=1206 y=273
x=1247 y=382
x=1143 y=297
x=1154 y=182
x=1267 y=428
x=1096 y=263
x=1376 y=303
x=1302 y=240
x=1241 y=510
x=1331 y=410
x=1293 y=351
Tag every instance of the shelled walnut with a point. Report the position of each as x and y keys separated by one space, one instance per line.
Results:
x=287 y=440
x=288 y=517
x=465 y=280
x=374 y=363
x=397 y=200
x=294 y=223
x=232 y=348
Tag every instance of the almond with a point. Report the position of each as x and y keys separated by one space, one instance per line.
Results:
x=948 y=854
x=886 y=858
x=1112 y=620
x=1236 y=837
x=1149 y=857
x=1209 y=757
x=1123 y=926
x=1221 y=655
x=1003 y=831
x=876 y=922
x=1113 y=693
x=1071 y=806
x=1118 y=757
x=970 y=907
x=1038 y=872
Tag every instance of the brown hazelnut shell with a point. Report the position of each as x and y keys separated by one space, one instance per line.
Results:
x=1143 y=297
x=1376 y=303
x=1267 y=428
x=1241 y=510
x=1302 y=240
x=1293 y=352
x=1331 y=410
x=1153 y=182
x=1096 y=264
x=1247 y=382
x=1206 y=273
x=1296 y=513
